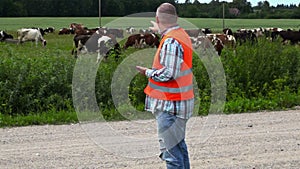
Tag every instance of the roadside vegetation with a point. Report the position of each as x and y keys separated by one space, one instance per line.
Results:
x=36 y=82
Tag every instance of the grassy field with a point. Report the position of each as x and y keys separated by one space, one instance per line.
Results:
x=36 y=82
x=12 y=24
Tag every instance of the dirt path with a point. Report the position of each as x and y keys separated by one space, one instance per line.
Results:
x=249 y=140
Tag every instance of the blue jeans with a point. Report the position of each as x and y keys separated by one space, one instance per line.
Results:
x=171 y=135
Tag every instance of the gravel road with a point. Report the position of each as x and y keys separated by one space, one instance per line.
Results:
x=248 y=140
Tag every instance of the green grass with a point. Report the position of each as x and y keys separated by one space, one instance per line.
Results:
x=50 y=117
x=12 y=24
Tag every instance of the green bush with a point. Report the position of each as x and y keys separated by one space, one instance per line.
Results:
x=35 y=81
x=264 y=71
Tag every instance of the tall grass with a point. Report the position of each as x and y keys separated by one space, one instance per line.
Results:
x=262 y=76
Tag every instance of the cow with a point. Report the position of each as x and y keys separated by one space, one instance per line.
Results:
x=145 y=31
x=79 y=42
x=227 y=40
x=218 y=45
x=49 y=30
x=208 y=41
x=227 y=31
x=243 y=36
x=268 y=32
x=42 y=31
x=76 y=26
x=274 y=33
x=133 y=40
x=4 y=36
x=79 y=29
x=130 y=30
x=30 y=35
x=292 y=36
x=150 y=39
x=65 y=31
x=96 y=43
x=106 y=45
x=259 y=32
x=219 y=41
x=206 y=30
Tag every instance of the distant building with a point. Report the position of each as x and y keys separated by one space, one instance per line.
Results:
x=234 y=11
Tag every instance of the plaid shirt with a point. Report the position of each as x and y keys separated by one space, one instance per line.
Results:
x=171 y=57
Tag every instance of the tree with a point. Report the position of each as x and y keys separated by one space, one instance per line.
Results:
x=266 y=6
x=196 y=2
x=11 y=8
x=187 y=1
x=242 y=5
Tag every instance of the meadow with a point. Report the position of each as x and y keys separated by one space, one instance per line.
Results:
x=36 y=83
x=12 y=24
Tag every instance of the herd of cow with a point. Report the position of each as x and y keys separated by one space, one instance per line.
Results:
x=104 y=40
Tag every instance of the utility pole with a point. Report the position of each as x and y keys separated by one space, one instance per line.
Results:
x=100 y=13
x=223 y=15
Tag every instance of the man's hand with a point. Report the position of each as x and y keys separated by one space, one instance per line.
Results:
x=155 y=27
x=142 y=70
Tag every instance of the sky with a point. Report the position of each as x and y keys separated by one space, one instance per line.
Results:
x=254 y=2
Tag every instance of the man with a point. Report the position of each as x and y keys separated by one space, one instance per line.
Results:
x=169 y=94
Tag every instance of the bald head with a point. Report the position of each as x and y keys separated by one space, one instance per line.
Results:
x=167 y=14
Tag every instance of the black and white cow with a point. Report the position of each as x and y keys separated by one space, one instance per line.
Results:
x=206 y=30
x=4 y=36
x=25 y=34
x=49 y=30
x=96 y=43
x=130 y=30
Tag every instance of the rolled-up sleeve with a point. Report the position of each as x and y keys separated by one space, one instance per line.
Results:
x=171 y=57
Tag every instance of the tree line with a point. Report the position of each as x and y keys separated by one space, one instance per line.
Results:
x=192 y=9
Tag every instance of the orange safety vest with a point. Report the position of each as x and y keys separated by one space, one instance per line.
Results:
x=180 y=88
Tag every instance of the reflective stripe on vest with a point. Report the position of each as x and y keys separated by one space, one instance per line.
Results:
x=171 y=90
x=185 y=72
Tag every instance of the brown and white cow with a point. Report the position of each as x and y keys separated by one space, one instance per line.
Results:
x=142 y=40
x=227 y=40
x=134 y=40
x=208 y=41
x=150 y=39
x=65 y=31
x=220 y=41
x=218 y=45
